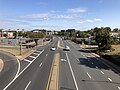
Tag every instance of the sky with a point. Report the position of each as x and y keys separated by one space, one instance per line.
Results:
x=59 y=14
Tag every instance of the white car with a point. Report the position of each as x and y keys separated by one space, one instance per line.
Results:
x=67 y=48
x=53 y=48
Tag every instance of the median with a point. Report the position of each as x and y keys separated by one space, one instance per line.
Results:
x=54 y=74
x=59 y=45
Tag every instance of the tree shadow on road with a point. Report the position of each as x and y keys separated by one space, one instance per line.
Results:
x=84 y=51
x=65 y=88
x=92 y=63
x=97 y=63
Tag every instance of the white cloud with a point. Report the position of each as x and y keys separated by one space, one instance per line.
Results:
x=91 y=21
x=62 y=17
x=77 y=10
x=47 y=16
x=97 y=19
x=36 y=16
x=84 y=21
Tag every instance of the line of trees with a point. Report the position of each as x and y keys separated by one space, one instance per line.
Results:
x=101 y=36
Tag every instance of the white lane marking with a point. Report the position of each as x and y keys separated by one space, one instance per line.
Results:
x=96 y=67
x=18 y=68
x=27 y=85
x=21 y=72
x=110 y=79
x=102 y=72
x=83 y=55
x=32 y=56
x=88 y=59
x=40 y=65
x=36 y=53
x=119 y=88
x=46 y=54
x=88 y=75
x=72 y=73
x=27 y=60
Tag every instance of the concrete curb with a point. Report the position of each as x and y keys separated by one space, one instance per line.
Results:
x=24 y=56
x=1 y=65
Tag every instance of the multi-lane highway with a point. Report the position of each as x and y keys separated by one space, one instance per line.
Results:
x=79 y=70
x=34 y=70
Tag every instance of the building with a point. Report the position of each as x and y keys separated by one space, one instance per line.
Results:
x=10 y=35
x=70 y=30
x=49 y=33
x=114 y=34
x=63 y=31
x=39 y=30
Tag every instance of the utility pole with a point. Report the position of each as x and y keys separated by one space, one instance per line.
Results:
x=20 y=47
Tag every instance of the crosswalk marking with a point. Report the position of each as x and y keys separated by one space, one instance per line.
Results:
x=27 y=60
x=32 y=56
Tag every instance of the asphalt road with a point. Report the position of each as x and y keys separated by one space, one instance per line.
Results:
x=81 y=70
x=34 y=70
x=9 y=70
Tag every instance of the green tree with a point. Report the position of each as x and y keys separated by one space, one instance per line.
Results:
x=82 y=34
x=103 y=38
x=36 y=36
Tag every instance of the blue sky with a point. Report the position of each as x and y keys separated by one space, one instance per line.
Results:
x=59 y=14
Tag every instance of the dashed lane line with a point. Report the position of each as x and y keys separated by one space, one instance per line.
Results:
x=40 y=65
x=96 y=67
x=110 y=79
x=27 y=60
x=102 y=72
x=88 y=75
x=27 y=85
x=119 y=88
